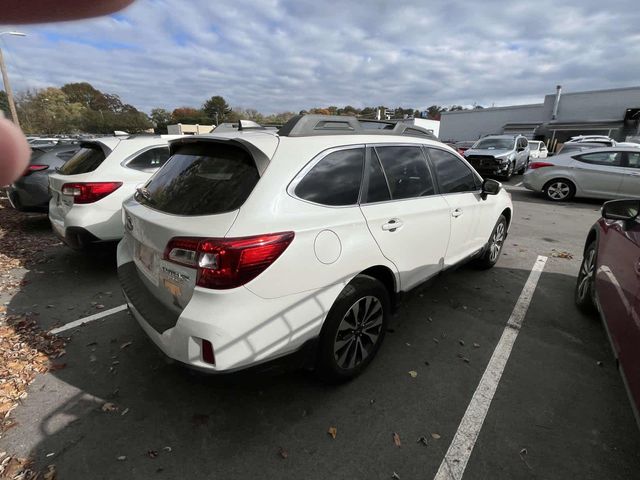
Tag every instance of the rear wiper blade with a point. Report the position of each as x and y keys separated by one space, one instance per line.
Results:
x=144 y=193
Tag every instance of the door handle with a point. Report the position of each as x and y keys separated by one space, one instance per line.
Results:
x=392 y=225
x=457 y=212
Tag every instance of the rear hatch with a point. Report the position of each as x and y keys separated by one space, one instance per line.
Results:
x=79 y=168
x=197 y=194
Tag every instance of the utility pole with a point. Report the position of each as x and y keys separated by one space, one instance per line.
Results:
x=5 y=80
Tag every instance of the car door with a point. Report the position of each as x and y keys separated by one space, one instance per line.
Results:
x=522 y=152
x=460 y=186
x=630 y=185
x=618 y=290
x=599 y=173
x=543 y=152
x=408 y=219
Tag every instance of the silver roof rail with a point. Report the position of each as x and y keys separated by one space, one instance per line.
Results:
x=315 y=125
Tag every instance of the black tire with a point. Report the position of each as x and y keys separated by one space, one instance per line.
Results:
x=493 y=249
x=524 y=167
x=507 y=176
x=559 y=190
x=585 y=289
x=332 y=364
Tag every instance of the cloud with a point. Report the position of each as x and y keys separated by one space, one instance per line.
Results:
x=277 y=55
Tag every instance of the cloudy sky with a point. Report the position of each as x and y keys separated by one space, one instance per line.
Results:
x=277 y=55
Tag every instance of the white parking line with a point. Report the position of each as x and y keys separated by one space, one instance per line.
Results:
x=88 y=319
x=518 y=184
x=455 y=461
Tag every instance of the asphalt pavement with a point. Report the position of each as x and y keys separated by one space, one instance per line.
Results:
x=559 y=411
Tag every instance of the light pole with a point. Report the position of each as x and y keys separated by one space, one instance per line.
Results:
x=5 y=80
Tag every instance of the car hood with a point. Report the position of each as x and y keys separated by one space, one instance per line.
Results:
x=494 y=152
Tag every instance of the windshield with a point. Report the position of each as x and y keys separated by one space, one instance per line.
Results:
x=494 y=143
x=202 y=180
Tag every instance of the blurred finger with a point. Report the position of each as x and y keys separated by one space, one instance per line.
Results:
x=37 y=11
x=14 y=152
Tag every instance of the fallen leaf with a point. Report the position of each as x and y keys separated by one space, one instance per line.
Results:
x=109 y=407
x=523 y=452
x=599 y=364
x=422 y=440
x=436 y=340
x=124 y=412
x=395 y=476
x=435 y=436
x=430 y=319
x=476 y=345
x=125 y=345
x=461 y=342
x=396 y=440
x=57 y=366
x=283 y=453
x=333 y=431
x=168 y=449
x=152 y=453
x=99 y=306
x=561 y=254
x=413 y=373
x=50 y=474
x=121 y=458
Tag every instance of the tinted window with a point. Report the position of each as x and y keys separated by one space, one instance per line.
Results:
x=151 y=159
x=85 y=160
x=378 y=190
x=610 y=159
x=334 y=180
x=633 y=159
x=65 y=155
x=453 y=175
x=202 y=180
x=407 y=172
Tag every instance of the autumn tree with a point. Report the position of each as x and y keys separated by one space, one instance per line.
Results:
x=190 y=115
x=217 y=109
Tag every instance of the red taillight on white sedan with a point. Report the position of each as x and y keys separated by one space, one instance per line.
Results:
x=224 y=263
x=534 y=165
x=89 y=192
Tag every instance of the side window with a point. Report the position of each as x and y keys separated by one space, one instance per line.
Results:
x=378 y=190
x=609 y=159
x=453 y=175
x=151 y=159
x=633 y=159
x=407 y=171
x=334 y=180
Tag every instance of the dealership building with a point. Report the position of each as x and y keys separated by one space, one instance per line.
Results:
x=614 y=112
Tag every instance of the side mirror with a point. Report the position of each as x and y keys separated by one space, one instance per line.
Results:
x=625 y=210
x=490 y=187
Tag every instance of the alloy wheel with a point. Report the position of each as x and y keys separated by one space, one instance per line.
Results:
x=497 y=239
x=558 y=190
x=358 y=332
x=585 y=275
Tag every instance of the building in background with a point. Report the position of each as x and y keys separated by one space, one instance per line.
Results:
x=185 y=129
x=614 y=112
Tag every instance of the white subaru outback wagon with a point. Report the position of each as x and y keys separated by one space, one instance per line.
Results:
x=252 y=246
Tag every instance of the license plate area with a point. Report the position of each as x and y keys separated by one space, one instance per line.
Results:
x=146 y=259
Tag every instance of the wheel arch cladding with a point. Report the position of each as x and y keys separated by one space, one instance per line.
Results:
x=591 y=237
x=507 y=215
x=385 y=276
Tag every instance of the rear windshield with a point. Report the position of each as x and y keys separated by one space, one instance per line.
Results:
x=85 y=160
x=202 y=179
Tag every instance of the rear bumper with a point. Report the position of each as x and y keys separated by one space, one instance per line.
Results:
x=93 y=221
x=29 y=196
x=246 y=330
x=533 y=181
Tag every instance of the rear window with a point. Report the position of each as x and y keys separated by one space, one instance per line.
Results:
x=202 y=180
x=85 y=160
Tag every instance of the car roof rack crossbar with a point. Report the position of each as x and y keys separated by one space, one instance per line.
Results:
x=316 y=125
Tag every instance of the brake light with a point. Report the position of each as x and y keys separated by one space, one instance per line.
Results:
x=224 y=263
x=534 y=165
x=34 y=168
x=89 y=192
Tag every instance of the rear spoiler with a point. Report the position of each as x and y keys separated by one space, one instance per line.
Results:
x=259 y=156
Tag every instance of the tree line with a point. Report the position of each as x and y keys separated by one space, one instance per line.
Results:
x=82 y=108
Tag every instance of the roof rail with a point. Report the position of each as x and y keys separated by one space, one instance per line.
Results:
x=315 y=125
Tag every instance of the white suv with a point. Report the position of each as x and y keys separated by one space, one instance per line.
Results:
x=251 y=245
x=88 y=190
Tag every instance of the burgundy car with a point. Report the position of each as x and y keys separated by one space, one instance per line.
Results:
x=609 y=280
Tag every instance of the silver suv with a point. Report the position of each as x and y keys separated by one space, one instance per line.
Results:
x=499 y=155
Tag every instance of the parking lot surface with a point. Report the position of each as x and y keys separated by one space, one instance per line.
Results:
x=560 y=409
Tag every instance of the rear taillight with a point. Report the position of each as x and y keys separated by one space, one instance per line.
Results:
x=534 y=165
x=224 y=263
x=34 y=168
x=89 y=192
